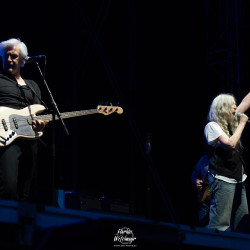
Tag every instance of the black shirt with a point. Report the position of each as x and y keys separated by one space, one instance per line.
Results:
x=14 y=96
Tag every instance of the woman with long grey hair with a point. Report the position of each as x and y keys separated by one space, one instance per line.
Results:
x=226 y=166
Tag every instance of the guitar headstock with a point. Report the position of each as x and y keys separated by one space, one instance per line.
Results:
x=107 y=110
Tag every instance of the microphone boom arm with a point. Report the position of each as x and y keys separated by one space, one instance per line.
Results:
x=56 y=110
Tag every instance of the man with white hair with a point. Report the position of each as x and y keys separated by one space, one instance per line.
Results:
x=17 y=160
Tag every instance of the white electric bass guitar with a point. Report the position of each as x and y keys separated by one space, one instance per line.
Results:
x=16 y=123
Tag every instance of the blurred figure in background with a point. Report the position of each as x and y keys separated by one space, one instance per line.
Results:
x=200 y=180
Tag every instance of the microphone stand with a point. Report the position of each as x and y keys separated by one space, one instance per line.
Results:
x=148 y=151
x=55 y=112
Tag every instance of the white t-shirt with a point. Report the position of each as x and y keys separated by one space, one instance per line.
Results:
x=212 y=132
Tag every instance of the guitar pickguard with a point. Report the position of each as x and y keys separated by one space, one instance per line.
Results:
x=19 y=124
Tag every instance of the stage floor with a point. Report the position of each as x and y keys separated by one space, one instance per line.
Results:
x=29 y=226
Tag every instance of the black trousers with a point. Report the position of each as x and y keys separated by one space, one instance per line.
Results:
x=17 y=167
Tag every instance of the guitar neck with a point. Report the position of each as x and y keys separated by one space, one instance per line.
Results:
x=66 y=115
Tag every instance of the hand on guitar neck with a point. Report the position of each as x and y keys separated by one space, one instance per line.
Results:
x=199 y=184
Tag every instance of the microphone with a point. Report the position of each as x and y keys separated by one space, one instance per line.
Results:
x=238 y=116
x=148 y=143
x=33 y=58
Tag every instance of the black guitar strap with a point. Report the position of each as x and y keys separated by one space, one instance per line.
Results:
x=33 y=90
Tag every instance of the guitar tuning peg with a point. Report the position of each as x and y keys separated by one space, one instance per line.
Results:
x=110 y=104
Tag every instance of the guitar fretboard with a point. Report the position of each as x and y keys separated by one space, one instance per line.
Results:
x=66 y=115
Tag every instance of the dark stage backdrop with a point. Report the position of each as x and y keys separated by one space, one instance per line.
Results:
x=148 y=56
